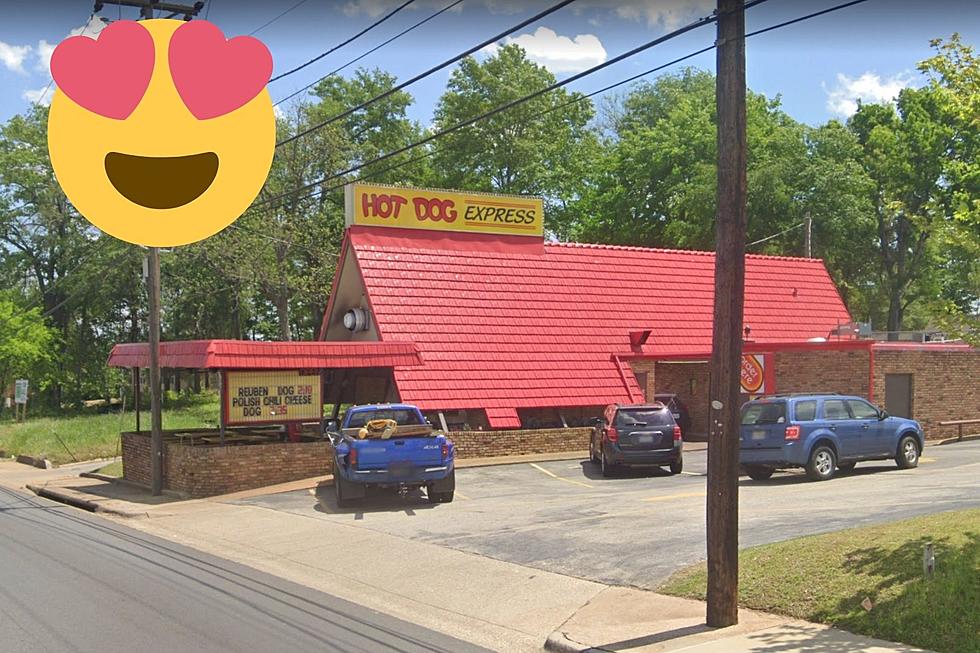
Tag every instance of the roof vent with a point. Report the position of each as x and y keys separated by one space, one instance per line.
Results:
x=356 y=319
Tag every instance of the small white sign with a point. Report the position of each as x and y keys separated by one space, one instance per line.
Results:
x=20 y=391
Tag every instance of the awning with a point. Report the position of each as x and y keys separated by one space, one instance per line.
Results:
x=260 y=355
x=503 y=418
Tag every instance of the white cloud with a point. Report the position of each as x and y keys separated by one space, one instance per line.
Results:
x=868 y=88
x=44 y=52
x=38 y=95
x=559 y=54
x=13 y=56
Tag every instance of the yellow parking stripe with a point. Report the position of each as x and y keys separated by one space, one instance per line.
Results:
x=681 y=495
x=927 y=460
x=560 y=478
x=461 y=495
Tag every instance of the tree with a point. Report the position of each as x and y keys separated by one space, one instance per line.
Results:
x=26 y=342
x=542 y=147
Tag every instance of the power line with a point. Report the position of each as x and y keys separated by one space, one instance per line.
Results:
x=533 y=19
x=371 y=51
x=340 y=45
x=269 y=22
x=767 y=238
x=555 y=86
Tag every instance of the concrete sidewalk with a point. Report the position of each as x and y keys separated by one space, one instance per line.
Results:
x=499 y=605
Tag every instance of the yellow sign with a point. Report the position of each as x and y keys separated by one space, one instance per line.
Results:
x=419 y=208
x=271 y=397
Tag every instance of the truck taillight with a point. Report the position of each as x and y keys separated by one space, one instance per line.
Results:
x=445 y=451
x=611 y=434
x=792 y=432
x=677 y=433
x=352 y=458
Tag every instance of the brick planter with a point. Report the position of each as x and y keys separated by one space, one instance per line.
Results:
x=207 y=470
x=487 y=444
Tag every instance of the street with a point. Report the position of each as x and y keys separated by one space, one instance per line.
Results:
x=638 y=527
x=71 y=581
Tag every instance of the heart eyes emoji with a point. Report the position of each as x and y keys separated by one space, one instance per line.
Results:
x=110 y=76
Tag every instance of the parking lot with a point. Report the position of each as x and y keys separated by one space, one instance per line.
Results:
x=638 y=527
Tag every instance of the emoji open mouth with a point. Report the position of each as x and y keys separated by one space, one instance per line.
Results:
x=161 y=182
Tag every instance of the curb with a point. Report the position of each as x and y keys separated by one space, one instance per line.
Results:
x=558 y=642
x=78 y=502
x=40 y=463
x=966 y=438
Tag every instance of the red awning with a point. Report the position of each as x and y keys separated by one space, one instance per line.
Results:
x=256 y=355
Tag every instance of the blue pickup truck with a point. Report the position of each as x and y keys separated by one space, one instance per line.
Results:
x=390 y=446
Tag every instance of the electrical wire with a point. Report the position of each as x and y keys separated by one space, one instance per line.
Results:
x=783 y=232
x=524 y=23
x=278 y=16
x=371 y=51
x=571 y=101
x=340 y=45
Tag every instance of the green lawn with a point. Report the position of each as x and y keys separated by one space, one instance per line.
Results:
x=85 y=437
x=112 y=469
x=824 y=578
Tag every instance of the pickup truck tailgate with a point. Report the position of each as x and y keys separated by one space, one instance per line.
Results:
x=405 y=453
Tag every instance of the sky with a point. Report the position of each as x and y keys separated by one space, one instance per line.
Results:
x=820 y=68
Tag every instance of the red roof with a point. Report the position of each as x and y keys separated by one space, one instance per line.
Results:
x=251 y=354
x=503 y=328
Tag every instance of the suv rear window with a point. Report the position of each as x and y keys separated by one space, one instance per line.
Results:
x=805 y=411
x=644 y=417
x=764 y=413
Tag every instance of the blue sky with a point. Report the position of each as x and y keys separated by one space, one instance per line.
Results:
x=819 y=68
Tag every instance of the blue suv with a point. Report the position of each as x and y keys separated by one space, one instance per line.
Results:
x=823 y=433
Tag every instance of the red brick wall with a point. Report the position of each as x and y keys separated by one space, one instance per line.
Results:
x=945 y=386
x=689 y=381
x=484 y=444
x=844 y=372
x=205 y=470
x=649 y=368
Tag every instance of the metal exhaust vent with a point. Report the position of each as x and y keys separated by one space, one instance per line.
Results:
x=356 y=319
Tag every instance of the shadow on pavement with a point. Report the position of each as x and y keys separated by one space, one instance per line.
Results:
x=655 y=638
x=378 y=500
x=592 y=472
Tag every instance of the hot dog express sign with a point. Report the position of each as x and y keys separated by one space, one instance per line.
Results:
x=420 y=208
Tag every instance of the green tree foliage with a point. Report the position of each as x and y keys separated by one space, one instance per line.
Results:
x=26 y=342
x=542 y=147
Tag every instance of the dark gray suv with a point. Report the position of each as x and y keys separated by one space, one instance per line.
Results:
x=644 y=434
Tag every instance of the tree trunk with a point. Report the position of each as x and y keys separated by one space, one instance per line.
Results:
x=896 y=312
x=282 y=310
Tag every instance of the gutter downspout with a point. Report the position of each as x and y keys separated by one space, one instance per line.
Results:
x=623 y=378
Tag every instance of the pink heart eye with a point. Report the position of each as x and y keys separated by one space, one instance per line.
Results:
x=214 y=76
x=108 y=76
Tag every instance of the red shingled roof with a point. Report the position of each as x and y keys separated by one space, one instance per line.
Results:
x=503 y=328
x=251 y=354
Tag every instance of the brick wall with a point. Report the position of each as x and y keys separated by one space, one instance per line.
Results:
x=484 y=444
x=689 y=381
x=648 y=368
x=844 y=372
x=945 y=386
x=205 y=470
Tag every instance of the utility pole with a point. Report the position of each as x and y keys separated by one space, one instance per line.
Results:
x=807 y=236
x=156 y=417
x=147 y=7
x=726 y=353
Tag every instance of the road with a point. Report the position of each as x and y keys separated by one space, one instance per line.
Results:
x=639 y=527
x=71 y=581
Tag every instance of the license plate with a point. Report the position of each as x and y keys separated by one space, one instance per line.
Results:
x=645 y=439
x=759 y=435
x=400 y=470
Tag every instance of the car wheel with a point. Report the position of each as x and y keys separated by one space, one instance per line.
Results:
x=759 y=473
x=339 y=486
x=846 y=467
x=440 y=497
x=908 y=453
x=823 y=462
x=605 y=465
x=677 y=467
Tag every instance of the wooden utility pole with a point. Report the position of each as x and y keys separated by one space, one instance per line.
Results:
x=726 y=353
x=156 y=417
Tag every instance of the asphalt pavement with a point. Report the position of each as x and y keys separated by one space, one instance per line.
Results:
x=70 y=581
x=639 y=527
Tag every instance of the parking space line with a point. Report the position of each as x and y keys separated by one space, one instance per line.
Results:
x=567 y=480
x=461 y=495
x=923 y=459
x=679 y=495
x=693 y=473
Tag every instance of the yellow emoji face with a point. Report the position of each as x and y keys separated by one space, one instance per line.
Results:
x=161 y=133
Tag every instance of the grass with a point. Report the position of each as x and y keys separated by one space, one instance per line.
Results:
x=87 y=437
x=112 y=469
x=825 y=578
